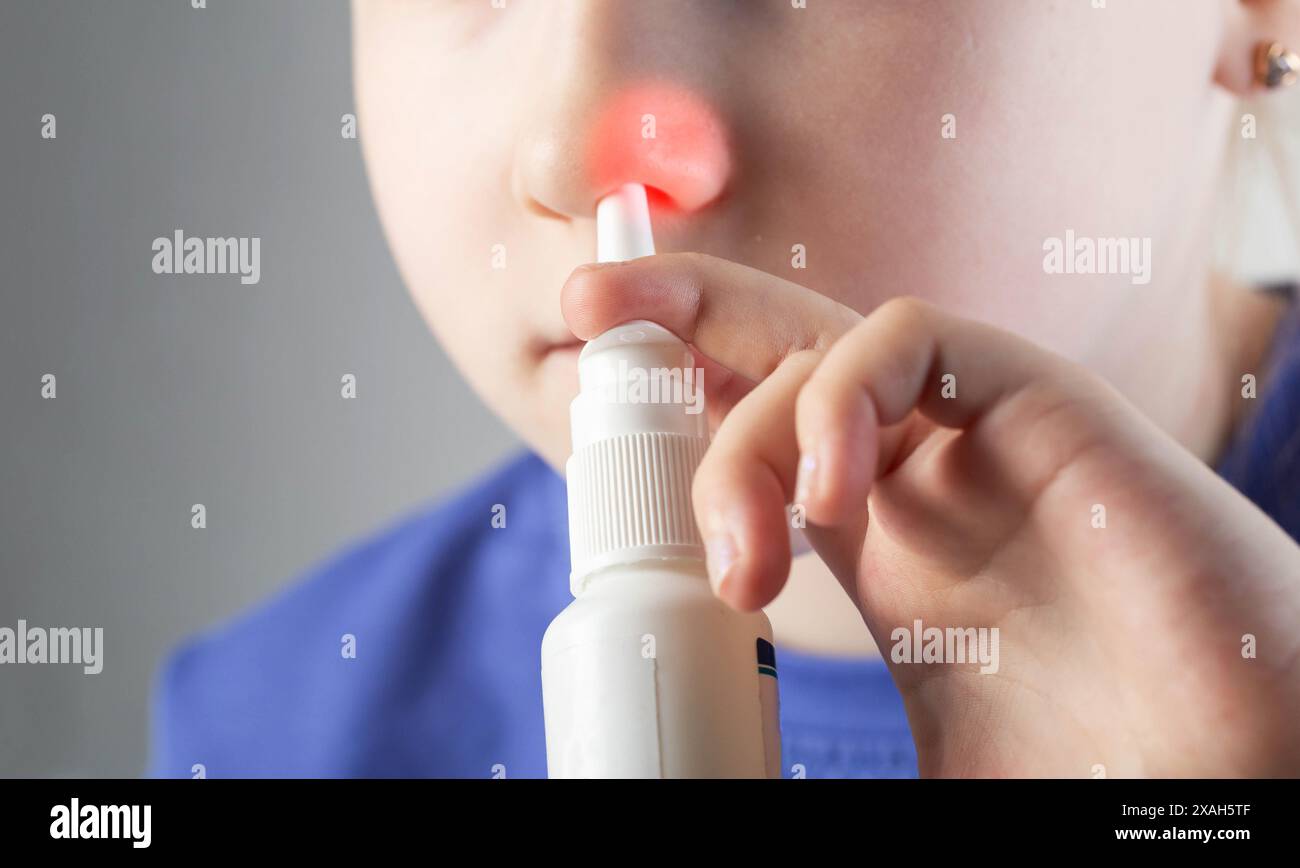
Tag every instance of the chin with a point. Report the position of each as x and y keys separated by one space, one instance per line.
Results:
x=549 y=438
x=537 y=410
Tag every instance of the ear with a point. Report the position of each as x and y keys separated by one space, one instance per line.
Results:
x=1248 y=24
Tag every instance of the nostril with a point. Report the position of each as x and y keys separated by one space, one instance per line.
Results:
x=666 y=137
x=658 y=198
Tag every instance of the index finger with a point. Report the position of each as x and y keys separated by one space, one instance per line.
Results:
x=745 y=319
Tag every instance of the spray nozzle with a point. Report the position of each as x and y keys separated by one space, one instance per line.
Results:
x=623 y=228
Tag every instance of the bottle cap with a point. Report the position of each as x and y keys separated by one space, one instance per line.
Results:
x=639 y=427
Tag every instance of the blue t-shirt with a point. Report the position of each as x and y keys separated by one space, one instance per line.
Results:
x=446 y=612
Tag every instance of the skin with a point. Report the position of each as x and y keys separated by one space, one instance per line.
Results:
x=1120 y=646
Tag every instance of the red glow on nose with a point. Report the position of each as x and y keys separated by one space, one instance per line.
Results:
x=663 y=136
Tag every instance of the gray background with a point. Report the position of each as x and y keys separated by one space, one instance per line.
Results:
x=176 y=390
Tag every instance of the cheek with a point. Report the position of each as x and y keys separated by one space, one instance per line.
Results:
x=435 y=118
x=438 y=170
x=439 y=167
x=993 y=133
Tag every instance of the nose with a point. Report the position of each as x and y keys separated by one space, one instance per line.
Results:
x=657 y=133
x=665 y=137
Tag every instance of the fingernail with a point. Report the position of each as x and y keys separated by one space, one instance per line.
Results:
x=720 y=556
x=806 y=478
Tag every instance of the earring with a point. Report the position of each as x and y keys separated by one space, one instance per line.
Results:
x=1275 y=66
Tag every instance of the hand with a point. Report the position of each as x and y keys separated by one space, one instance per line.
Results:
x=1123 y=649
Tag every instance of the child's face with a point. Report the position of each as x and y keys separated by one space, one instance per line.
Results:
x=476 y=123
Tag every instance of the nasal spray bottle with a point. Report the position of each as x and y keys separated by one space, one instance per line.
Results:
x=647 y=674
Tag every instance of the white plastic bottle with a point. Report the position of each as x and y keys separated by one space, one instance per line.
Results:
x=647 y=674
